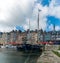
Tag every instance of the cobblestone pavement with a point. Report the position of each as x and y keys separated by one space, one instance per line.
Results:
x=48 y=57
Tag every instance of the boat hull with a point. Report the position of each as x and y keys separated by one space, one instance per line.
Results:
x=30 y=48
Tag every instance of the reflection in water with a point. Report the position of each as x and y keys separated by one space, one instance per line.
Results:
x=13 y=56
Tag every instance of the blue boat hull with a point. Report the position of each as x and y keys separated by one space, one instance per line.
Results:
x=56 y=43
x=30 y=48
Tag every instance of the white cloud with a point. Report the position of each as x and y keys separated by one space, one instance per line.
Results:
x=42 y=17
x=57 y=28
x=6 y=29
x=51 y=27
x=14 y=12
x=54 y=9
x=17 y=12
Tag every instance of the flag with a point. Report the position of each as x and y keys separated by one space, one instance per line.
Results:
x=39 y=10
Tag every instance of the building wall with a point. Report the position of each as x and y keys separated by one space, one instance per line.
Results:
x=3 y=39
x=13 y=36
x=24 y=37
x=19 y=39
x=34 y=38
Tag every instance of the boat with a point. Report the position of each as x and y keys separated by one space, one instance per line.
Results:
x=20 y=47
x=3 y=46
x=29 y=47
x=10 y=46
x=36 y=48
x=24 y=47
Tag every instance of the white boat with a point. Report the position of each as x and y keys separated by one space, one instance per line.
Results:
x=3 y=46
x=10 y=46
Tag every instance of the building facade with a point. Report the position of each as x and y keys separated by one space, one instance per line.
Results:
x=30 y=38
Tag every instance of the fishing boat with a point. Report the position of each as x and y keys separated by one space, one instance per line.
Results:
x=29 y=47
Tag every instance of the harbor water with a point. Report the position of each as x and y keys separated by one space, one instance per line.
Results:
x=14 y=56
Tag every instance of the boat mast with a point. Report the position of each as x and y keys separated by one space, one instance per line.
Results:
x=29 y=33
x=38 y=26
x=29 y=30
x=54 y=32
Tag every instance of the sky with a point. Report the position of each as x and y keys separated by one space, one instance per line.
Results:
x=16 y=14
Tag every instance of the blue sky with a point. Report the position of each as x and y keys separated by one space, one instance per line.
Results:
x=20 y=28
x=16 y=14
x=51 y=20
x=44 y=2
